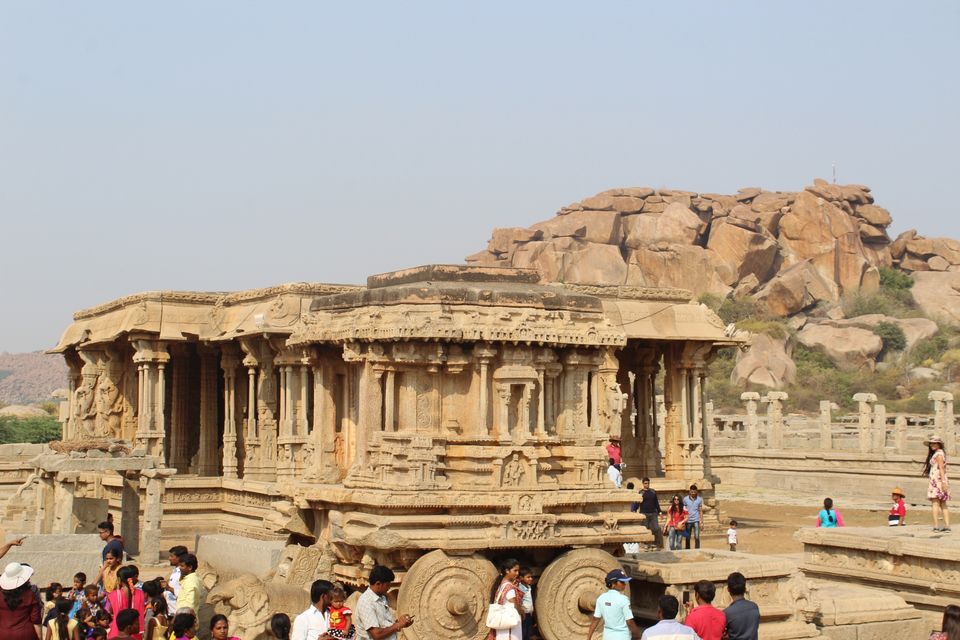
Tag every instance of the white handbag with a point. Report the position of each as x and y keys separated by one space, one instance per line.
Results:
x=502 y=616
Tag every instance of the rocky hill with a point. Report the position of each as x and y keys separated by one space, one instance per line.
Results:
x=815 y=268
x=30 y=377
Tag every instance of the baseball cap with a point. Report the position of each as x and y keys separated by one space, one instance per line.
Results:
x=617 y=575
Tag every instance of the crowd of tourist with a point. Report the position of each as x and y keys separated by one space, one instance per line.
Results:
x=116 y=604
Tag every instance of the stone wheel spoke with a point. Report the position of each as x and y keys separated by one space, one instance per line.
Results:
x=447 y=595
x=567 y=591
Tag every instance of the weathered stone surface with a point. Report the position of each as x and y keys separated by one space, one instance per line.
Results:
x=914 y=329
x=818 y=231
x=54 y=556
x=504 y=240
x=747 y=285
x=765 y=364
x=237 y=554
x=684 y=266
x=593 y=226
x=899 y=246
x=749 y=253
x=913 y=262
x=22 y=411
x=677 y=224
x=547 y=257
x=937 y=293
x=482 y=258
x=851 y=348
x=795 y=289
x=593 y=263
x=874 y=215
x=770 y=201
x=938 y=263
x=872 y=234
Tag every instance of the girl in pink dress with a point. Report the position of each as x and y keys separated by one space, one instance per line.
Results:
x=938 y=491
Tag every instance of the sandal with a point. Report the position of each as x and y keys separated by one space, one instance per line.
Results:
x=937 y=529
x=945 y=529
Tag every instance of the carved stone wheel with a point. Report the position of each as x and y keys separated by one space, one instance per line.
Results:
x=567 y=592
x=447 y=595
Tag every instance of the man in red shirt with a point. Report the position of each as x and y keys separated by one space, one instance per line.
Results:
x=708 y=621
x=613 y=449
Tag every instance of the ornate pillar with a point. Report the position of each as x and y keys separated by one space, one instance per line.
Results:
x=207 y=463
x=774 y=400
x=228 y=363
x=64 y=489
x=879 y=440
x=151 y=358
x=303 y=417
x=178 y=407
x=483 y=354
x=324 y=425
x=369 y=416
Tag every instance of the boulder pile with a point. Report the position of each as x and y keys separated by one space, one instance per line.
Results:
x=796 y=254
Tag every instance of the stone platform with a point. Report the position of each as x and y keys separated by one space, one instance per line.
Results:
x=914 y=562
x=56 y=558
x=792 y=606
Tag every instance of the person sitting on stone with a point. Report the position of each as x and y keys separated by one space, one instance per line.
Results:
x=708 y=621
x=668 y=628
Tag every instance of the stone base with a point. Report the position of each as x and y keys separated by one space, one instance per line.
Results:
x=236 y=554
x=914 y=563
x=56 y=558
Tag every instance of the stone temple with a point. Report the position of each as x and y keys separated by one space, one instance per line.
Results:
x=432 y=420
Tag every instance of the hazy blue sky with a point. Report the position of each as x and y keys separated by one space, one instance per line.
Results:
x=228 y=145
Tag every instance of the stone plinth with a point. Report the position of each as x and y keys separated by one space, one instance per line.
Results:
x=791 y=604
x=236 y=554
x=775 y=584
x=917 y=564
x=56 y=558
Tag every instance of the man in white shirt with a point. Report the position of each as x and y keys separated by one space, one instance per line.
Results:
x=372 y=617
x=173 y=583
x=614 y=473
x=314 y=623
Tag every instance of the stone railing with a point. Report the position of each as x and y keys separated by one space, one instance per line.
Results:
x=872 y=430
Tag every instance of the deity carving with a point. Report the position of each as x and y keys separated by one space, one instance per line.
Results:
x=246 y=603
x=513 y=472
x=613 y=405
x=109 y=402
x=85 y=407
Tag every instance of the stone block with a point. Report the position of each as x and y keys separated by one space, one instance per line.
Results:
x=56 y=558
x=238 y=554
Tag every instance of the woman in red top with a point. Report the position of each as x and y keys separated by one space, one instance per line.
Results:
x=676 y=522
x=20 y=607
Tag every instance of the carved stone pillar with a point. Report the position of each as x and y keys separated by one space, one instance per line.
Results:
x=150 y=532
x=900 y=433
x=178 y=442
x=324 y=424
x=390 y=401
x=483 y=354
x=826 y=426
x=774 y=400
x=64 y=489
x=943 y=419
x=541 y=403
x=303 y=417
x=151 y=358
x=207 y=463
x=865 y=403
x=751 y=425
x=228 y=363
x=501 y=423
x=369 y=416
x=879 y=439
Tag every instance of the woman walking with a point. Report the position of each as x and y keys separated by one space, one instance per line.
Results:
x=504 y=591
x=20 y=607
x=676 y=522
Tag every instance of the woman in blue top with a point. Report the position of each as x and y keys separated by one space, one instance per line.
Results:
x=829 y=517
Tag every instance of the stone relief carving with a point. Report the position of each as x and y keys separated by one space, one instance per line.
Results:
x=513 y=472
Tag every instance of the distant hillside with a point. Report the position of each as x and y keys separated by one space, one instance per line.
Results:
x=30 y=377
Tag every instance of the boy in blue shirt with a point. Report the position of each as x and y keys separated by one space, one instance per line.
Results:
x=613 y=609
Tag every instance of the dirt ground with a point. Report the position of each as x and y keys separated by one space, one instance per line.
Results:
x=766 y=525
